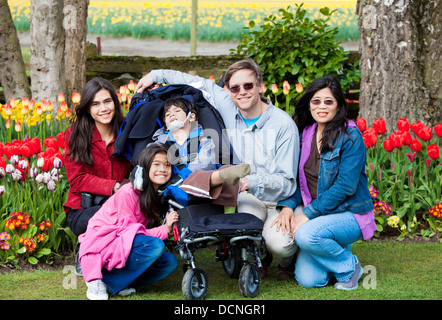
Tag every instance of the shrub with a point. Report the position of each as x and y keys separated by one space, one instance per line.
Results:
x=297 y=49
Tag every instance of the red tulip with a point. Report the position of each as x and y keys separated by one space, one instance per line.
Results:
x=51 y=142
x=415 y=145
x=60 y=140
x=25 y=151
x=388 y=144
x=403 y=124
x=3 y=163
x=362 y=124
x=370 y=137
x=415 y=127
x=379 y=126
x=424 y=133
x=406 y=138
x=433 y=151
x=438 y=129
x=299 y=87
x=35 y=145
x=397 y=139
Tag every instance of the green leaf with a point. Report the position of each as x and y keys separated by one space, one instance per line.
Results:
x=21 y=250
x=32 y=260
x=325 y=11
x=44 y=251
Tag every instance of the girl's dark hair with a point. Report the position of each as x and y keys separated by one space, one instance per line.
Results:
x=83 y=125
x=335 y=127
x=150 y=202
x=182 y=103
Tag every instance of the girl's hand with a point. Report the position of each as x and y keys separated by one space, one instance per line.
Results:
x=171 y=218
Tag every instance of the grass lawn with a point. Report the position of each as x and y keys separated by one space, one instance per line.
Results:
x=393 y=271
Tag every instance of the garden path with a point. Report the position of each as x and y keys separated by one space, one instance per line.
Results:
x=156 y=47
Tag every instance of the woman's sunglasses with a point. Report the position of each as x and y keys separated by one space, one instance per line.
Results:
x=317 y=102
x=246 y=86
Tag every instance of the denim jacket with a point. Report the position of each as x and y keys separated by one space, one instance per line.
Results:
x=342 y=182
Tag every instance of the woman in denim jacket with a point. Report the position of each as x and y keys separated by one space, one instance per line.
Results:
x=332 y=207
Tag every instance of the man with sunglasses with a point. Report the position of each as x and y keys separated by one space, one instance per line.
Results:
x=260 y=134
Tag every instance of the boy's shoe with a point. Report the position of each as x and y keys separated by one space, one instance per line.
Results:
x=351 y=284
x=96 y=290
x=126 y=292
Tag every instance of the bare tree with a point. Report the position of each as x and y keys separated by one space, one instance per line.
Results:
x=47 y=49
x=75 y=25
x=401 y=67
x=12 y=68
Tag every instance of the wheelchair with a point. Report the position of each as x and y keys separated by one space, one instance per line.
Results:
x=237 y=236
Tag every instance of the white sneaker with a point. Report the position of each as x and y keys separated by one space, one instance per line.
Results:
x=126 y=292
x=96 y=290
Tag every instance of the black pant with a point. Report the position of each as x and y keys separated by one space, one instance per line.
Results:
x=77 y=219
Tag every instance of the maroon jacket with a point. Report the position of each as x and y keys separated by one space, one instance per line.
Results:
x=99 y=178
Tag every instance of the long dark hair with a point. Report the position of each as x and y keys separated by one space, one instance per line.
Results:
x=83 y=125
x=150 y=202
x=335 y=127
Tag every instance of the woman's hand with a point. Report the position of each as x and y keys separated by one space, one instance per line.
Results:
x=171 y=218
x=284 y=220
x=117 y=186
x=144 y=83
x=298 y=221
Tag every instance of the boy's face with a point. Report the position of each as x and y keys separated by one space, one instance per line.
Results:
x=175 y=113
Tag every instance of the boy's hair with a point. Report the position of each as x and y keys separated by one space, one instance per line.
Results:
x=182 y=103
x=247 y=64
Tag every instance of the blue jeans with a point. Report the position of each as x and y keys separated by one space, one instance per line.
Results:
x=324 y=249
x=148 y=262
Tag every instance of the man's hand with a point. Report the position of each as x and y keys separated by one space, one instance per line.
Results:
x=144 y=83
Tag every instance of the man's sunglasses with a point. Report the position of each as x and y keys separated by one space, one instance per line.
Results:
x=246 y=86
x=317 y=102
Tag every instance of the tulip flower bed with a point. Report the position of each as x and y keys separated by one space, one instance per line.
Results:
x=217 y=20
x=404 y=171
x=33 y=184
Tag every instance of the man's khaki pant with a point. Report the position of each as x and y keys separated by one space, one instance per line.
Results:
x=282 y=246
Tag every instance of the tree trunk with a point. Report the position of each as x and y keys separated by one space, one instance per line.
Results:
x=12 y=68
x=75 y=26
x=401 y=69
x=47 y=49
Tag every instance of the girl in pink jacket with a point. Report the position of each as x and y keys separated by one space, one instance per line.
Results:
x=123 y=245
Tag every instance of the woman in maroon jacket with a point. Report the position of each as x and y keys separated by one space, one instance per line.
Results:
x=92 y=166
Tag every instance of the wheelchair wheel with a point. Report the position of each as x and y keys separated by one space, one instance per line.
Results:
x=249 y=280
x=195 y=284
x=232 y=263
